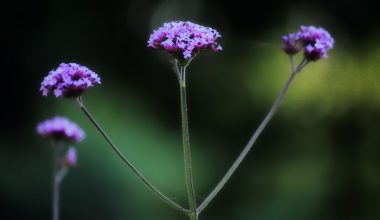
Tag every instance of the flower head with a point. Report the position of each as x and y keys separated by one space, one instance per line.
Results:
x=184 y=40
x=60 y=128
x=69 y=80
x=71 y=157
x=290 y=44
x=315 y=42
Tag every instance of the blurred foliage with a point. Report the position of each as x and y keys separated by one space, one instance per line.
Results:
x=319 y=158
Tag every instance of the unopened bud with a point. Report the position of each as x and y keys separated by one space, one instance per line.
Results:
x=71 y=157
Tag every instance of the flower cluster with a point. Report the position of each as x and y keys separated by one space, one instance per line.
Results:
x=290 y=45
x=60 y=128
x=69 y=80
x=314 y=41
x=184 y=40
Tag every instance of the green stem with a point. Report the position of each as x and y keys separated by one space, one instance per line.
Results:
x=186 y=145
x=146 y=182
x=254 y=137
x=56 y=182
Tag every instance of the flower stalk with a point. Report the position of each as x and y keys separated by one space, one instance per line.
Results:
x=56 y=182
x=135 y=171
x=254 y=137
x=186 y=142
x=59 y=172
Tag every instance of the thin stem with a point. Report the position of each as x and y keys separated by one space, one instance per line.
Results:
x=291 y=58
x=56 y=189
x=58 y=177
x=177 y=70
x=56 y=182
x=186 y=145
x=146 y=182
x=193 y=216
x=253 y=139
x=61 y=174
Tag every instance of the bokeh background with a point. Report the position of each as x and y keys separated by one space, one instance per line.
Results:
x=319 y=158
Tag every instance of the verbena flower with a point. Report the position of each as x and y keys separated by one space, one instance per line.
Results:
x=71 y=157
x=69 y=80
x=184 y=40
x=60 y=128
x=315 y=42
x=290 y=44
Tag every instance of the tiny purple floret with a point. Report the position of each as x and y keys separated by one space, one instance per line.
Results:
x=315 y=42
x=60 y=128
x=69 y=80
x=184 y=40
x=71 y=157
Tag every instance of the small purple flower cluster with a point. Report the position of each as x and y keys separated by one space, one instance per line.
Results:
x=290 y=45
x=315 y=42
x=71 y=157
x=184 y=40
x=60 y=128
x=69 y=80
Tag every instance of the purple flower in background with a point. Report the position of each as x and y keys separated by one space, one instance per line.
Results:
x=290 y=44
x=315 y=42
x=71 y=157
x=69 y=80
x=184 y=40
x=60 y=128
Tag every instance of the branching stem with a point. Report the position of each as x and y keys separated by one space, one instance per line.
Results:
x=254 y=137
x=146 y=182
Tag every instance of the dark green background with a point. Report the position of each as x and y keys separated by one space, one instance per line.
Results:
x=318 y=158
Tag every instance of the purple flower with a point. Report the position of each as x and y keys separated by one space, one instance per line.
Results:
x=60 y=128
x=290 y=44
x=184 y=40
x=71 y=157
x=69 y=80
x=315 y=42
